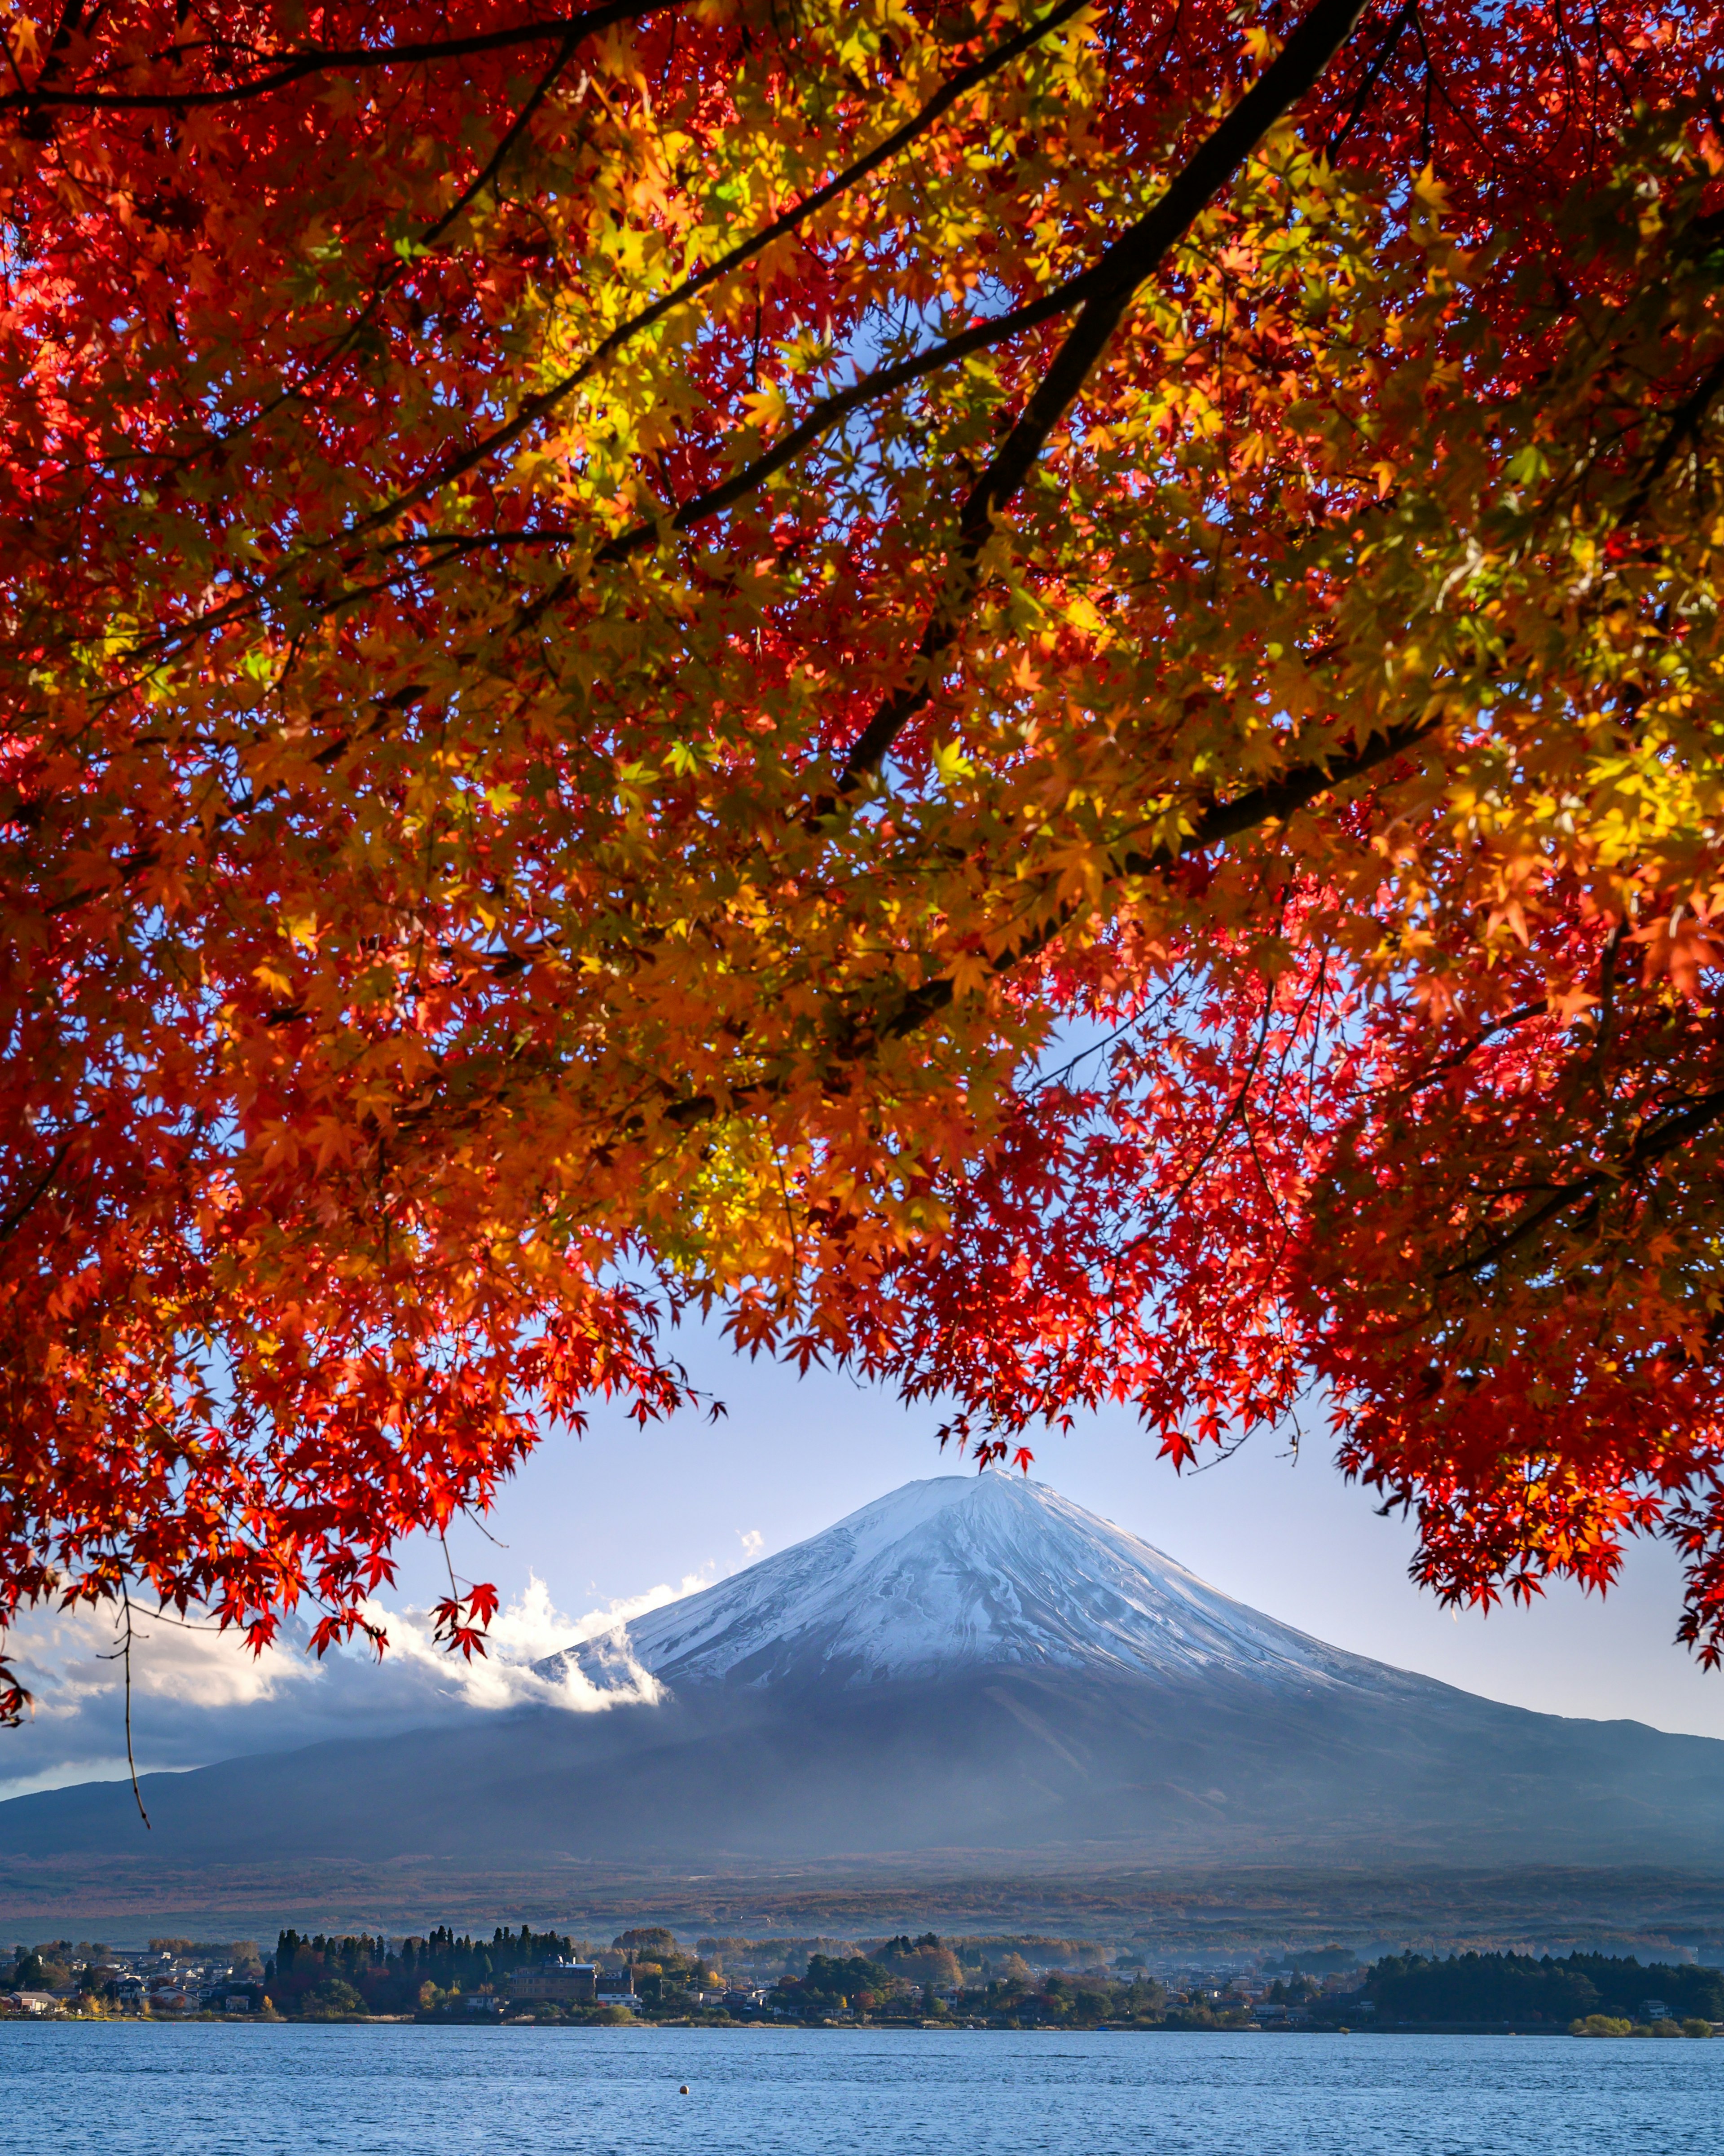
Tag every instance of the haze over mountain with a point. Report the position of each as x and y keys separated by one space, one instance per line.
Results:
x=972 y=1665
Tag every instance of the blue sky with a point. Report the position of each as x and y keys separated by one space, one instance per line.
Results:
x=623 y=1514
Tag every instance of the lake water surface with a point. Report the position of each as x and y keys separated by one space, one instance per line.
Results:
x=215 y=2089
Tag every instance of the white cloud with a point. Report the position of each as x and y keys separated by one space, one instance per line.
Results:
x=199 y=1694
x=527 y=1630
x=70 y=1661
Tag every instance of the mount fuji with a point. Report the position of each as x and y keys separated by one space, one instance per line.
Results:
x=960 y=1574
x=972 y=1671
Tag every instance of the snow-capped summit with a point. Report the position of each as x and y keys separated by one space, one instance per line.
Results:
x=960 y=1572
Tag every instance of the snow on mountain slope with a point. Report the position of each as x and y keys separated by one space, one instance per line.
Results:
x=964 y=1572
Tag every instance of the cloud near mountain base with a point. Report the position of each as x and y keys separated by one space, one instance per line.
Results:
x=198 y=1695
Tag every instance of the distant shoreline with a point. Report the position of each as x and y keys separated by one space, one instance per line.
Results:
x=753 y=2028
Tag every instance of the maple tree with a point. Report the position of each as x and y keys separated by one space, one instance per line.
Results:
x=1025 y=695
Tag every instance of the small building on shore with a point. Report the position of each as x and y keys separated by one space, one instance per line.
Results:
x=568 y=1983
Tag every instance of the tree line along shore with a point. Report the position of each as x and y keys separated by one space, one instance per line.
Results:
x=646 y=1974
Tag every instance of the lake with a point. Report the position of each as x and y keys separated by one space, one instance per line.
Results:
x=216 y=2089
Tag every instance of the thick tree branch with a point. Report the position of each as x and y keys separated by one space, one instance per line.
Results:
x=1109 y=288
x=1102 y=292
x=826 y=415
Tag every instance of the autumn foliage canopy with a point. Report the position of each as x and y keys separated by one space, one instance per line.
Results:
x=1025 y=693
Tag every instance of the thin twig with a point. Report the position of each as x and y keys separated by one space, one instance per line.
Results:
x=125 y=1658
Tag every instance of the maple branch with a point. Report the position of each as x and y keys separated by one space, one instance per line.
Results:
x=20 y=1210
x=1697 y=1116
x=1682 y=424
x=1236 y=1111
x=1470 y=1047
x=826 y=415
x=1108 y=284
x=1277 y=798
x=511 y=135
x=286 y=68
x=388 y=278
x=1272 y=802
x=1386 y=46
x=1111 y=284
